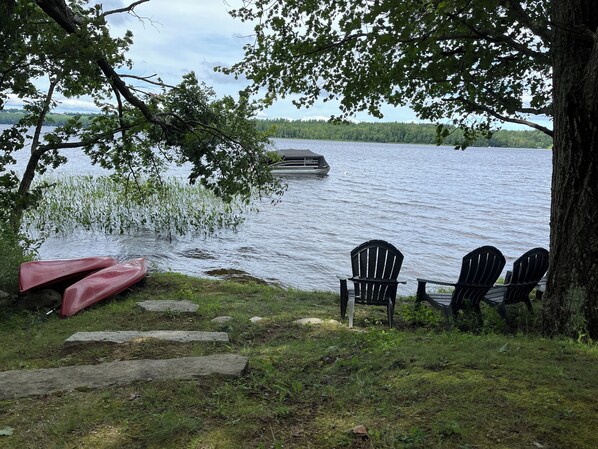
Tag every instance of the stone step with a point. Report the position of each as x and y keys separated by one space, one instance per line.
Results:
x=23 y=383
x=127 y=336
x=168 y=305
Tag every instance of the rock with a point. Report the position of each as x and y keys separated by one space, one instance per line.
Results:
x=304 y=321
x=127 y=336
x=23 y=383
x=255 y=319
x=169 y=306
x=222 y=319
x=360 y=431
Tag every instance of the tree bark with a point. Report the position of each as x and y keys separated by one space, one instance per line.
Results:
x=571 y=300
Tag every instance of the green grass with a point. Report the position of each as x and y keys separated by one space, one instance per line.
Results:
x=415 y=386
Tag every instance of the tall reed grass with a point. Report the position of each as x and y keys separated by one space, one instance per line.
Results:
x=106 y=205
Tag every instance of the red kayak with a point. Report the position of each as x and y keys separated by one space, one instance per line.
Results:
x=45 y=273
x=101 y=285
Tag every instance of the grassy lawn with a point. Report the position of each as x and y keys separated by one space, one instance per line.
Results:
x=415 y=386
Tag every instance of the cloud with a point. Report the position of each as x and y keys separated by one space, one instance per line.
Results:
x=81 y=104
x=179 y=36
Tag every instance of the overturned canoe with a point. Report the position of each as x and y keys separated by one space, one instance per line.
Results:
x=101 y=285
x=46 y=273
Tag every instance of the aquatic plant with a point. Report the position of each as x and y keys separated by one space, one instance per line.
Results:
x=106 y=205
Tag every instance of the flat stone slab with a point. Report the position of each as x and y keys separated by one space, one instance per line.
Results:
x=23 y=383
x=169 y=306
x=222 y=319
x=127 y=336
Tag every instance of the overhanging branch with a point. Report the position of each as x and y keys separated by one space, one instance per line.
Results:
x=69 y=22
x=129 y=8
x=476 y=108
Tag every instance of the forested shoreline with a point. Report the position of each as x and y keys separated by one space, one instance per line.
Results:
x=395 y=132
x=382 y=132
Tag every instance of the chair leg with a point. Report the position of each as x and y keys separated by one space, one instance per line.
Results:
x=344 y=297
x=539 y=295
x=528 y=303
x=478 y=314
x=448 y=318
x=351 y=310
x=390 y=312
x=502 y=311
x=418 y=302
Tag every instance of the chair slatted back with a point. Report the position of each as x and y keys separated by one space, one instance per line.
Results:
x=528 y=270
x=375 y=260
x=479 y=271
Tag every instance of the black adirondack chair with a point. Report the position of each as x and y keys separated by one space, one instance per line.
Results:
x=527 y=272
x=376 y=265
x=479 y=271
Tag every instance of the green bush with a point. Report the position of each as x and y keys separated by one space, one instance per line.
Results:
x=13 y=250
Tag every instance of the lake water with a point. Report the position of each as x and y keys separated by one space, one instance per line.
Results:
x=433 y=203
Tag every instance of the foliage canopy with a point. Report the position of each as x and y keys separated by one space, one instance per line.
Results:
x=478 y=63
x=144 y=123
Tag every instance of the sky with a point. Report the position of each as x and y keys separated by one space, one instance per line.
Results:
x=182 y=36
x=174 y=37
x=179 y=36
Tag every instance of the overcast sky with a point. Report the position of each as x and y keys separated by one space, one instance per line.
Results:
x=183 y=35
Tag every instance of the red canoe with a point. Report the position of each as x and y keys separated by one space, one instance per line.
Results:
x=101 y=285
x=44 y=273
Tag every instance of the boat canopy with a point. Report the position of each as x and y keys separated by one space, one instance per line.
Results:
x=298 y=154
x=299 y=162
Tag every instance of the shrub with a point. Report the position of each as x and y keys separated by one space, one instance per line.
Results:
x=14 y=250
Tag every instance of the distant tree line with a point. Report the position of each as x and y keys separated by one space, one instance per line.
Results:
x=12 y=116
x=395 y=132
x=384 y=132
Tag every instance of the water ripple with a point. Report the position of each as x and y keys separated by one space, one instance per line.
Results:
x=435 y=204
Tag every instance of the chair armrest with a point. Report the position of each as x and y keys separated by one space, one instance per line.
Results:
x=349 y=278
x=374 y=281
x=421 y=287
x=428 y=281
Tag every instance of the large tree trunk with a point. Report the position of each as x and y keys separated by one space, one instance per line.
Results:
x=571 y=306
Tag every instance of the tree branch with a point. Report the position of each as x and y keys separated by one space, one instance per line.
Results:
x=540 y=31
x=474 y=107
x=69 y=22
x=491 y=37
x=79 y=144
x=129 y=8
x=146 y=79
